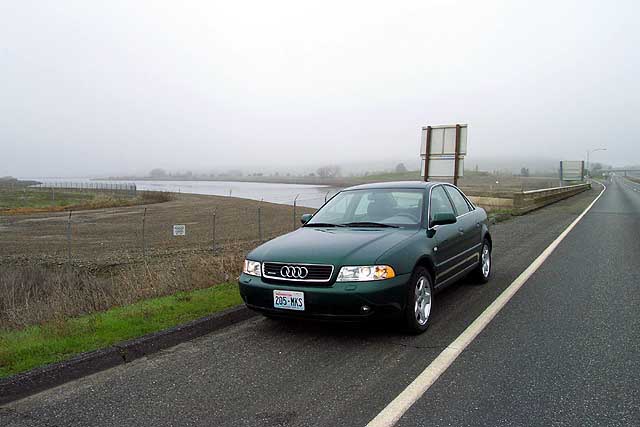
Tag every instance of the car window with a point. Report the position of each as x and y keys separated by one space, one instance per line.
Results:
x=337 y=208
x=462 y=207
x=408 y=200
x=398 y=207
x=440 y=203
x=362 y=207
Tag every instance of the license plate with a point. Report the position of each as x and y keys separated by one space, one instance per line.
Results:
x=288 y=300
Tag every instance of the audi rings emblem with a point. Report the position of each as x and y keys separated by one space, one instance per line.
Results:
x=294 y=272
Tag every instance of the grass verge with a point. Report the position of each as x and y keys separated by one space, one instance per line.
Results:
x=36 y=200
x=62 y=339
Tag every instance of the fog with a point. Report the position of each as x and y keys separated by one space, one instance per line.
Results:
x=120 y=87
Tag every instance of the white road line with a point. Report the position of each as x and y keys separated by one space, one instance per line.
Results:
x=401 y=404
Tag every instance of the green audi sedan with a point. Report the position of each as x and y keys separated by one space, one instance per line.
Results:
x=372 y=250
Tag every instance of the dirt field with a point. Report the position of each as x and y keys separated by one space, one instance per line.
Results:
x=484 y=183
x=108 y=267
x=115 y=236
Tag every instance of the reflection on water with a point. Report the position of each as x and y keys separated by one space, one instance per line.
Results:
x=312 y=196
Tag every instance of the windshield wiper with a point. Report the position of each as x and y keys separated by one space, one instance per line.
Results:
x=322 y=224
x=368 y=224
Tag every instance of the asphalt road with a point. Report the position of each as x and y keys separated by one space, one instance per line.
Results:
x=542 y=360
x=564 y=351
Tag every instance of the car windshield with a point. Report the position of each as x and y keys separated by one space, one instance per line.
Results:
x=372 y=207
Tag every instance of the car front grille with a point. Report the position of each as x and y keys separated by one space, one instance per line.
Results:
x=292 y=272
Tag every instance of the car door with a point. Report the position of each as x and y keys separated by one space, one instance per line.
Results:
x=447 y=237
x=468 y=226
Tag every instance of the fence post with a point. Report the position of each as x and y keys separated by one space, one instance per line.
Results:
x=69 y=239
x=259 y=223
x=144 y=243
x=295 y=202
x=213 y=231
x=53 y=195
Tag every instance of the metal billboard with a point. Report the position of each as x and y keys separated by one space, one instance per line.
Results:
x=442 y=150
x=572 y=170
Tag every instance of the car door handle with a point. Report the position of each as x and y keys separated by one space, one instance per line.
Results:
x=461 y=230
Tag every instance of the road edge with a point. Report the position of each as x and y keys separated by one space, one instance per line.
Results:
x=22 y=385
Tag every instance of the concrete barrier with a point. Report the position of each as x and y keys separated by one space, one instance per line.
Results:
x=526 y=201
x=530 y=200
x=491 y=204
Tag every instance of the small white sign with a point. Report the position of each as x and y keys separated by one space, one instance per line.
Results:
x=180 y=230
x=572 y=170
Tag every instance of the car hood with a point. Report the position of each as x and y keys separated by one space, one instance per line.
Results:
x=336 y=246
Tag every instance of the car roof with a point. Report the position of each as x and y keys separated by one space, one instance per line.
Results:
x=420 y=185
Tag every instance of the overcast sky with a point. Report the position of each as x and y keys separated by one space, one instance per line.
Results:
x=89 y=87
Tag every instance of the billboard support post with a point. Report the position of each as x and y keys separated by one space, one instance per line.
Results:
x=426 y=157
x=456 y=166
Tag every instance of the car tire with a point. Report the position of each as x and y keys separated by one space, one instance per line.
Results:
x=485 y=265
x=419 y=308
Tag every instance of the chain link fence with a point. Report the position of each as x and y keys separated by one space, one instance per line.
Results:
x=76 y=262
x=112 y=236
x=122 y=189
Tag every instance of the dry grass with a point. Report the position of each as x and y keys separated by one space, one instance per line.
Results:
x=34 y=294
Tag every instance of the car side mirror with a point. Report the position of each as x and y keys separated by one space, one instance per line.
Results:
x=443 y=219
x=305 y=218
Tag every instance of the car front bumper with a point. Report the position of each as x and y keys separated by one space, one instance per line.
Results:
x=341 y=301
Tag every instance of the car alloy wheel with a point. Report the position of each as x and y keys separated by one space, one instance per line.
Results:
x=486 y=260
x=422 y=305
x=483 y=272
x=419 y=306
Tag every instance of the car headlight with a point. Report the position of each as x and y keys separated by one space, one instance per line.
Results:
x=365 y=273
x=253 y=268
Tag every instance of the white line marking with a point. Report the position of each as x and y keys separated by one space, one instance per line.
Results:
x=401 y=404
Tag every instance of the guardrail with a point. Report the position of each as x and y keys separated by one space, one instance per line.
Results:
x=527 y=201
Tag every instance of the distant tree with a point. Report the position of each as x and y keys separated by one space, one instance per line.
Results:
x=524 y=172
x=158 y=173
x=328 y=171
x=401 y=168
x=596 y=169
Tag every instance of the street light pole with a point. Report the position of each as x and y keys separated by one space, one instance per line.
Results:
x=589 y=152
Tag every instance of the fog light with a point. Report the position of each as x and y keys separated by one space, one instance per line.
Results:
x=365 y=308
